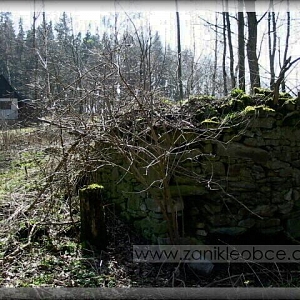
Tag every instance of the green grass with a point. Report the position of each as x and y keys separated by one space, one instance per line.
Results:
x=21 y=172
x=66 y=267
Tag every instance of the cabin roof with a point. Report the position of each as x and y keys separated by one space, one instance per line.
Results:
x=6 y=90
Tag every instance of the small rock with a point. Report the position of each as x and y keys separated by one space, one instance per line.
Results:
x=220 y=220
x=296 y=195
x=201 y=232
x=247 y=223
x=277 y=164
x=293 y=226
x=205 y=267
x=285 y=208
x=212 y=209
x=194 y=211
x=143 y=207
x=265 y=210
x=271 y=231
x=200 y=225
x=267 y=223
x=152 y=205
x=233 y=231
x=288 y=196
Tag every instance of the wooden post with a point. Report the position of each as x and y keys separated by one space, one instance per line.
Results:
x=93 y=228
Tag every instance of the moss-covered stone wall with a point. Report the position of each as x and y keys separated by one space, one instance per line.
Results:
x=251 y=178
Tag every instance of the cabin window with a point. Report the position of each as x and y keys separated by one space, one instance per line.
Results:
x=5 y=104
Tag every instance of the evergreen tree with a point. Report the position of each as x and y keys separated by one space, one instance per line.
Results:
x=7 y=46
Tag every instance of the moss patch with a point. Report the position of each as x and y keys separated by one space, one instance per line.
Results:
x=93 y=186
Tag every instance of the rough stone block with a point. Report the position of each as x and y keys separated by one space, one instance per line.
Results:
x=234 y=170
x=216 y=168
x=213 y=208
x=296 y=164
x=238 y=150
x=296 y=195
x=126 y=216
x=291 y=119
x=267 y=223
x=242 y=186
x=134 y=204
x=207 y=148
x=188 y=190
x=149 y=227
x=137 y=214
x=263 y=123
x=288 y=195
x=287 y=172
x=185 y=180
x=272 y=142
x=243 y=212
x=231 y=137
x=258 y=172
x=201 y=232
x=247 y=223
x=115 y=176
x=255 y=142
x=265 y=210
x=233 y=231
x=219 y=220
x=158 y=216
x=194 y=211
x=293 y=225
x=296 y=177
x=271 y=230
x=152 y=205
x=285 y=208
x=277 y=198
x=274 y=134
x=275 y=164
x=200 y=225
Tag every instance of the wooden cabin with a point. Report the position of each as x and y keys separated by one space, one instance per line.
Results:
x=10 y=101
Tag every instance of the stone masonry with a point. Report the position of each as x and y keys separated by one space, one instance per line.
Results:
x=251 y=181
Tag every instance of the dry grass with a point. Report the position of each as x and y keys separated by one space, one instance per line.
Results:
x=40 y=246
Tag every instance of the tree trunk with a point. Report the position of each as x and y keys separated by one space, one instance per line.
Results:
x=216 y=59
x=251 y=50
x=45 y=58
x=241 y=47
x=179 y=54
x=286 y=66
x=286 y=45
x=34 y=53
x=93 y=228
x=272 y=44
x=230 y=48
x=224 y=56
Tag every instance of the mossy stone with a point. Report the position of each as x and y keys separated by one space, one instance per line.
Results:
x=134 y=204
x=150 y=227
x=247 y=223
x=232 y=231
x=293 y=225
x=292 y=119
x=188 y=190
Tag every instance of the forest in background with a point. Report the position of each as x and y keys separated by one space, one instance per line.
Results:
x=52 y=64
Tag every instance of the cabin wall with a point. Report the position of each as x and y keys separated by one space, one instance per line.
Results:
x=8 y=108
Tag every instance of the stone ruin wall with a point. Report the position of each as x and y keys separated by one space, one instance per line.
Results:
x=255 y=182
